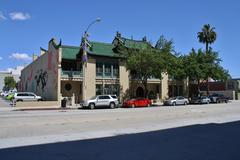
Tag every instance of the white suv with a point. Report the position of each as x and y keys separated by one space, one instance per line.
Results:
x=101 y=101
x=26 y=96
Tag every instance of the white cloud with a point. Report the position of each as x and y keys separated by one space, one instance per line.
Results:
x=1 y=58
x=19 y=16
x=20 y=56
x=2 y=17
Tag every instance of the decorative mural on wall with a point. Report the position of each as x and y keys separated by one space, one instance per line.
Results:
x=41 y=77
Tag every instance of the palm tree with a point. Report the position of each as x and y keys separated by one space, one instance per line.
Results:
x=207 y=35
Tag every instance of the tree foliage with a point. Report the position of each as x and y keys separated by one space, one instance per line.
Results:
x=207 y=35
x=144 y=64
x=9 y=83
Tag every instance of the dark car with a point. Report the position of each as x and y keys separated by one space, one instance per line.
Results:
x=138 y=102
x=201 y=100
x=218 y=98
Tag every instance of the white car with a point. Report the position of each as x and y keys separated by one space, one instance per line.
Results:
x=101 y=101
x=26 y=96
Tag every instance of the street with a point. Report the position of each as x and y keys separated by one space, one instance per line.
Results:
x=180 y=132
x=23 y=128
x=196 y=142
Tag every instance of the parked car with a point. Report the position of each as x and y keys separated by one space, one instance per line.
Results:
x=138 y=102
x=101 y=101
x=201 y=100
x=26 y=96
x=179 y=100
x=218 y=98
x=3 y=93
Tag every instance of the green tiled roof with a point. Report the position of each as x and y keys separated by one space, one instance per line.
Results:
x=69 y=52
x=102 y=49
x=129 y=43
x=97 y=49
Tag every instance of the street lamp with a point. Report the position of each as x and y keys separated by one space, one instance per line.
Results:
x=84 y=57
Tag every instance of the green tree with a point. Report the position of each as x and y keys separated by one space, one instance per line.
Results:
x=200 y=67
x=9 y=83
x=149 y=62
x=143 y=64
x=207 y=35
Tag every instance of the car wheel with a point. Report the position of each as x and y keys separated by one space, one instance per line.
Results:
x=133 y=105
x=112 y=105
x=148 y=105
x=185 y=103
x=92 y=105
x=174 y=103
x=226 y=101
x=19 y=100
x=208 y=102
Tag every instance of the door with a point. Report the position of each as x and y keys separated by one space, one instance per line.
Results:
x=180 y=100
x=103 y=101
x=31 y=97
x=140 y=92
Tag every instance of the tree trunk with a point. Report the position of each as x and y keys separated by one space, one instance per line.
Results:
x=145 y=87
x=206 y=47
x=198 y=84
x=207 y=88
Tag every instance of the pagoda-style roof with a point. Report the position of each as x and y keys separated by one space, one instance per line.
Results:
x=104 y=49
x=96 y=49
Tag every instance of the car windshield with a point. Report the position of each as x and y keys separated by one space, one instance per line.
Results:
x=115 y=97
x=172 y=98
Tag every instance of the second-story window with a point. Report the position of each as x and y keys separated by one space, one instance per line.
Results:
x=115 y=70
x=107 y=70
x=99 y=69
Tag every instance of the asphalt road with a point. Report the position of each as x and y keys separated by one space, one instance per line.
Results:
x=196 y=142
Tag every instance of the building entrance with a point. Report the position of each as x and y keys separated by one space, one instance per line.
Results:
x=140 y=92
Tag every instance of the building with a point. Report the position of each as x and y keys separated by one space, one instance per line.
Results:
x=15 y=73
x=60 y=71
x=234 y=85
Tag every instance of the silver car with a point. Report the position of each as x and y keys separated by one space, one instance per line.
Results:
x=26 y=96
x=101 y=101
x=179 y=100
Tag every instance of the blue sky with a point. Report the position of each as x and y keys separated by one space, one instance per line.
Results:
x=27 y=25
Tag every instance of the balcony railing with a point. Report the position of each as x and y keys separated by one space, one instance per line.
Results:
x=71 y=74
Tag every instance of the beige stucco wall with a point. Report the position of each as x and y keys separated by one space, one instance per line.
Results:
x=76 y=89
x=123 y=79
x=41 y=76
x=90 y=79
x=164 y=86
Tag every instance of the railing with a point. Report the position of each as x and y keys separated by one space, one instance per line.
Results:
x=72 y=74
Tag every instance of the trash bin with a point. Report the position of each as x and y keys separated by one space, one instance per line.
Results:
x=64 y=103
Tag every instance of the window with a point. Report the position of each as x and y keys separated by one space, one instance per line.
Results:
x=107 y=71
x=115 y=71
x=114 y=97
x=99 y=89
x=107 y=89
x=68 y=86
x=99 y=69
x=111 y=89
x=230 y=85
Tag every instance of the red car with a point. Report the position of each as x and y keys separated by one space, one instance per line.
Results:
x=138 y=102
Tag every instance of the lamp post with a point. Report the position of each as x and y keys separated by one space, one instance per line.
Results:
x=84 y=57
